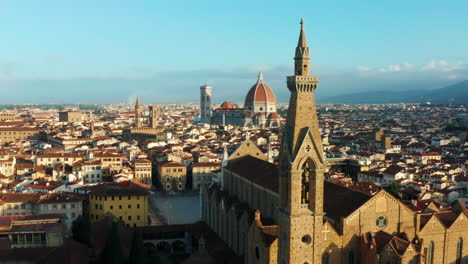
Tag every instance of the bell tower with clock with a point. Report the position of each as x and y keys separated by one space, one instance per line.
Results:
x=302 y=166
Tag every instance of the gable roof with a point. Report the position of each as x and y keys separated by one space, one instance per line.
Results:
x=393 y=169
x=256 y=170
x=382 y=240
x=248 y=147
x=339 y=201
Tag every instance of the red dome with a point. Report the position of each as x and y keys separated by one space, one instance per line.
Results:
x=274 y=116
x=227 y=105
x=260 y=92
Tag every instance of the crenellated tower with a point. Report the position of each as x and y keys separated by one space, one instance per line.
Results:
x=153 y=121
x=302 y=166
x=137 y=113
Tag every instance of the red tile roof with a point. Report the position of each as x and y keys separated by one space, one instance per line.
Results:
x=256 y=170
x=119 y=188
x=20 y=197
x=227 y=105
x=339 y=201
x=382 y=240
x=260 y=92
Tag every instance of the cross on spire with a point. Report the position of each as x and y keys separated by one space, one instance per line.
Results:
x=325 y=232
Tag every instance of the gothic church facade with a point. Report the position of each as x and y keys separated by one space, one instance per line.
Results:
x=288 y=213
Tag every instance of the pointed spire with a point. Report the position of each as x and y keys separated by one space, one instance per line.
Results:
x=302 y=37
x=302 y=57
x=137 y=102
x=260 y=77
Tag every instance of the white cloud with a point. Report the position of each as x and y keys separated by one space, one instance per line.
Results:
x=431 y=65
x=259 y=68
x=442 y=65
x=391 y=68
x=407 y=65
x=394 y=68
x=363 y=68
x=442 y=69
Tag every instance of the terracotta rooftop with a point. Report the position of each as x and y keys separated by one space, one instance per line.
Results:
x=383 y=240
x=171 y=164
x=256 y=170
x=20 y=197
x=120 y=188
x=260 y=92
x=206 y=164
x=339 y=201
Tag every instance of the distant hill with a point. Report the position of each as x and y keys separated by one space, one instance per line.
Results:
x=453 y=94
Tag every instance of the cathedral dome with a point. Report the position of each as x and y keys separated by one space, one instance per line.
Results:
x=260 y=93
x=227 y=105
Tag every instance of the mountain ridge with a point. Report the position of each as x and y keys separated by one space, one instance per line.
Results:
x=452 y=94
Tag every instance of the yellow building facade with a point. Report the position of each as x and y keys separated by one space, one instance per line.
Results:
x=8 y=134
x=127 y=201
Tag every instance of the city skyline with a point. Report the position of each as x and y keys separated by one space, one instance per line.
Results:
x=255 y=182
x=80 y=48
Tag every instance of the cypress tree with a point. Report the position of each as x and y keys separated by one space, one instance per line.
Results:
x=112 y=252
x=137 y=252
x=81 y=230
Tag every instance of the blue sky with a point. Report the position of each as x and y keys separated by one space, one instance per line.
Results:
x=110 y=51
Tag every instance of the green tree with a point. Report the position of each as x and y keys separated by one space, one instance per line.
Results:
x=81 y=230
x=393 y=188
x=137 y=251
x=112 y=252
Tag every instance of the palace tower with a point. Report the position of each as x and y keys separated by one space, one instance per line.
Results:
x=137 y=113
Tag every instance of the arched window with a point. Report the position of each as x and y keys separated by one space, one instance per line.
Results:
x=351 y=257
x=430 y=253
x=325 y=257
x=459 y=251
x=305 y=182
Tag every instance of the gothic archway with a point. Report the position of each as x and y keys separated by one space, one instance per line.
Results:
x=308 y=173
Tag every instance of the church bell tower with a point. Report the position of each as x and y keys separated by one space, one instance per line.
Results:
x=302 y=166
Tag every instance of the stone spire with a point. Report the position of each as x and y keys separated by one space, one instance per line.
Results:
x=302 y=37
x=137 y=104
x=301 y=167
x=302 y=57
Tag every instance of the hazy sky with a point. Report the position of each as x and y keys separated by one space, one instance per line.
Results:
x=103 y=51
